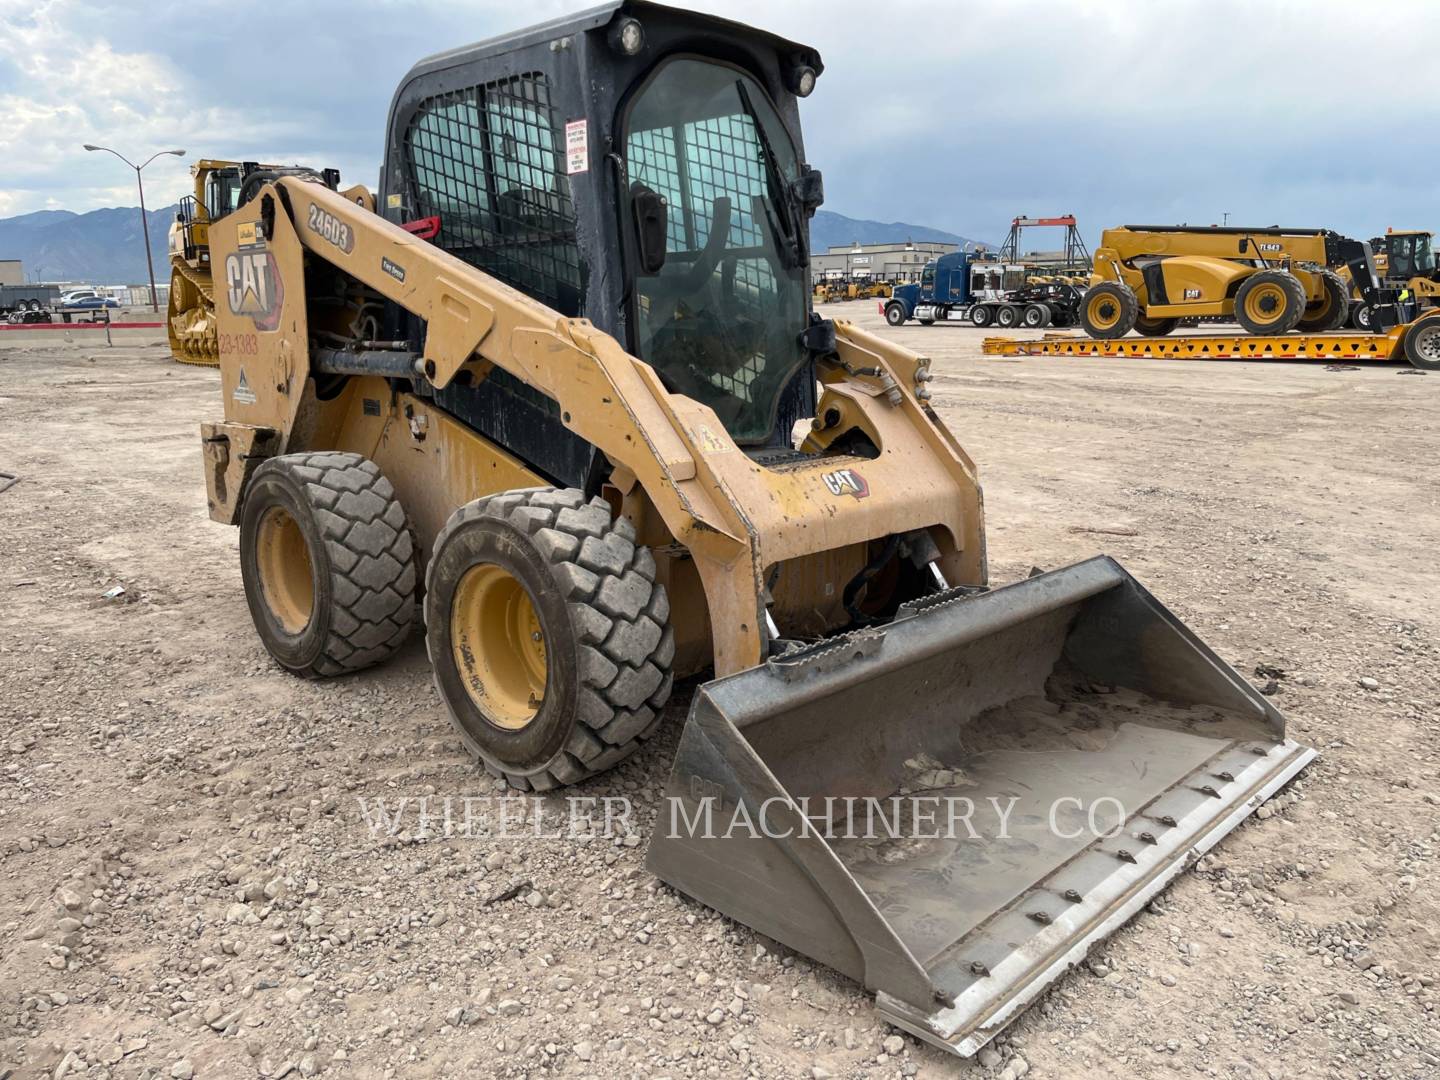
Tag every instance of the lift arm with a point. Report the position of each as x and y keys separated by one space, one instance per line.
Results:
x=734 y=516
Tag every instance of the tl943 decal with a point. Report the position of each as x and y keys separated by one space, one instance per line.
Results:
x=329 y=227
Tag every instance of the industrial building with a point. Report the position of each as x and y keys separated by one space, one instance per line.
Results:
x=885 y=262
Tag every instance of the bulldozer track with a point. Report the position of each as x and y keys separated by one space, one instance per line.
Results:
x=210 y=357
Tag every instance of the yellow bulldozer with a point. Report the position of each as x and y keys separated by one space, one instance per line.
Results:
x=568 y=377
x=1270 y=280
x=221 y=187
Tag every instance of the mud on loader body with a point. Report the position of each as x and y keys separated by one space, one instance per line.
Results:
x=558 y=373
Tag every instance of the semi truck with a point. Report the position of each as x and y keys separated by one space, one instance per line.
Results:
x=958 y=285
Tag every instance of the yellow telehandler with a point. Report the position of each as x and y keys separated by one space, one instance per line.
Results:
x=1270 y=280
x=567 y=375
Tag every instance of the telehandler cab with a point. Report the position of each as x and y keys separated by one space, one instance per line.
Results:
x=567 y=375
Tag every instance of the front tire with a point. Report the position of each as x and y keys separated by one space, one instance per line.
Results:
x=895 y=314
x=1109 y=310
x=548 y=634
x=1270 y=302
x=328 y=563
x=1360 y=317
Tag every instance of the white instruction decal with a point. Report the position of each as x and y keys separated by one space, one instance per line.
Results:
x=577 y=147
x=242 y=392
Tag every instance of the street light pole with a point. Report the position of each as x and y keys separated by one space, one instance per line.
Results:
x=144 y=222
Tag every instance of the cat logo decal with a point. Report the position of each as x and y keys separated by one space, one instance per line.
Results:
x=846 y=482
x=253 y=287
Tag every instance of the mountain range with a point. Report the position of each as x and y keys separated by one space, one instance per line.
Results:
x=103 y=247
x=829 y=229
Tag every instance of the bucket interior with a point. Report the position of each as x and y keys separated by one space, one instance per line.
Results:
x=1064 y=723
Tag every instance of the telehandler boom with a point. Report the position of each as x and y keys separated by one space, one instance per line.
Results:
x=568 y=372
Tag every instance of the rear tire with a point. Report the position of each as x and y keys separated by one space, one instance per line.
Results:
x=1422 y=344
x=895 y=314
x=1331 y=312
x=1036 y=316
x=1155 y=327
x=328 y=563
x=548 y=634
x=1270 y=302
x=981 y=316
x=1360 y=317
x=1109 y=310
x=1007 y=316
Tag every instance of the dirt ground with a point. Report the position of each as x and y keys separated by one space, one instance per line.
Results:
x=188 y=885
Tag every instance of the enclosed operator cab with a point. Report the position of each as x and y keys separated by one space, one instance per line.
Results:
x=696 y=175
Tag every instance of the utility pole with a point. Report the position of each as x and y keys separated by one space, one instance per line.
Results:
x=144 y=222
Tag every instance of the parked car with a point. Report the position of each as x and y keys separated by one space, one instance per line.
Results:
x=86 y=300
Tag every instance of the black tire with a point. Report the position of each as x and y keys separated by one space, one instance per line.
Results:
x=1360 y=317
x=895 y=314
x=358 y=556
x=1330 y=313
x=981 y=315
x=1422 y=344
x=1007 y=316
x=1155 y=327
x=604 y=628
x=1036 y=316
x=1109 y=310
x=1270 y=302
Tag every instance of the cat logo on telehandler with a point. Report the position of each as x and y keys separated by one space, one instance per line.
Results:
x=607 y=454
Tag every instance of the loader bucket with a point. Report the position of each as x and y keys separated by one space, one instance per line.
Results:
x=820 y=798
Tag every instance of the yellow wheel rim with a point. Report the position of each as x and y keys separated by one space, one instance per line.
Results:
x=1104 y=311
x=499 y=646
x=1265 y=303
x=283 y=560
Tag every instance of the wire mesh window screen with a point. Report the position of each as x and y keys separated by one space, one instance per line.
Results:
x=488 y=161
x=717 y=157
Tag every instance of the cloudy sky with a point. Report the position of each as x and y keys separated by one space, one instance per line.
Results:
x=957 y=115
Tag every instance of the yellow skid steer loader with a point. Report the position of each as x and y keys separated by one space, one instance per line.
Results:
x=567 y=375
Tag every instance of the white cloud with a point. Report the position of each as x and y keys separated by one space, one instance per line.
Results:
x=958 y=115
x=73 y=87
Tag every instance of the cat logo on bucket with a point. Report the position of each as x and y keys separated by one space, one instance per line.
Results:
x=846 y=482
x=253 y=287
